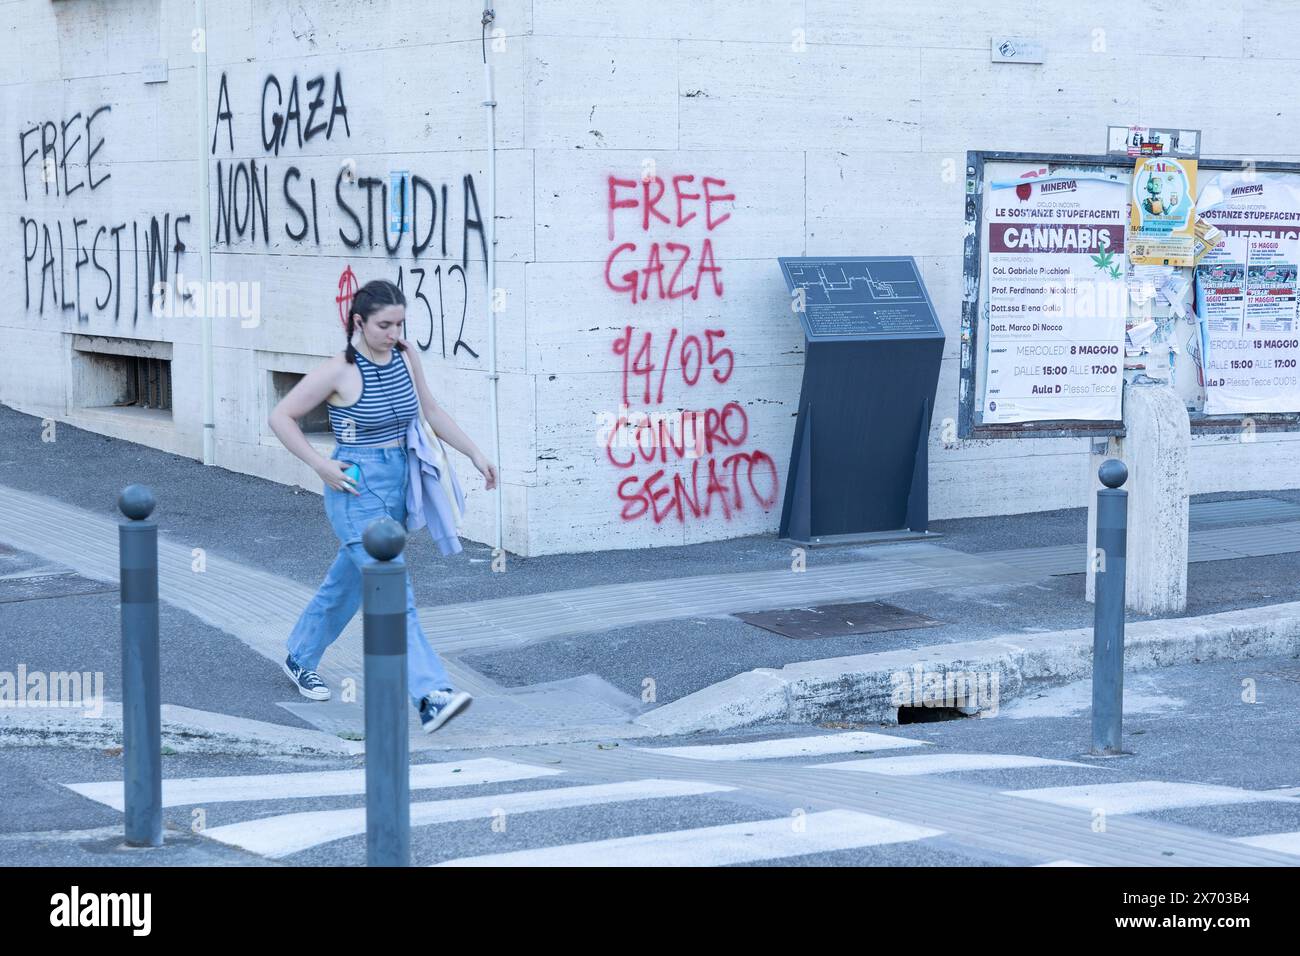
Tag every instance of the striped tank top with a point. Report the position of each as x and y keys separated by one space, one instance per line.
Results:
x=387 y=404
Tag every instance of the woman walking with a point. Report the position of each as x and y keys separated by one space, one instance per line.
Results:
x=373 y=390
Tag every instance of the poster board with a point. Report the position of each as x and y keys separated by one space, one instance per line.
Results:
x=1056 y=315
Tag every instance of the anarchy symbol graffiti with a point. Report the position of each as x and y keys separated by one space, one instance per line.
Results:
x=347 y=289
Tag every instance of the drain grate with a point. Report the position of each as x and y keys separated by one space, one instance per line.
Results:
x=34 y=587
x=928 y=715
x=837 y=620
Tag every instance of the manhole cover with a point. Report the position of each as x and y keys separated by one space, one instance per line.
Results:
x=837 y=620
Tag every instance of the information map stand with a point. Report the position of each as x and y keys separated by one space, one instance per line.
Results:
x=873 y=347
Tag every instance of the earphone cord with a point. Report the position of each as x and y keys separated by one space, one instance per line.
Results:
x=379 y=499
x=392 y=409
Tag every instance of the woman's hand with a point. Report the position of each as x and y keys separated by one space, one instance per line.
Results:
x=487 y=470
x=332 y=473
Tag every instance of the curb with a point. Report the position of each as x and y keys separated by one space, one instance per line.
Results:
x=184 y=730
x=861 y=688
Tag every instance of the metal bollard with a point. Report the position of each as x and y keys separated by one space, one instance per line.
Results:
x=141 y=699
x=1108 y=613
x=388 y=787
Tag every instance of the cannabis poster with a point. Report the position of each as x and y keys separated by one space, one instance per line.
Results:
x=1056 y=293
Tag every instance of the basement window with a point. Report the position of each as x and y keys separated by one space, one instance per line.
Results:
x=126 y=374
x=153 y=383
x=316 y=421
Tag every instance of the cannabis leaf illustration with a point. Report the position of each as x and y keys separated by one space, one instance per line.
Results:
x=1103 y=260
x=1115 y=272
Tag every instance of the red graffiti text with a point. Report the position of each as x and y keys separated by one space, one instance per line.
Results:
x=673 y=269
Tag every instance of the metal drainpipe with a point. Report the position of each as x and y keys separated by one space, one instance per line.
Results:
x=489 y=101
x=205 y=253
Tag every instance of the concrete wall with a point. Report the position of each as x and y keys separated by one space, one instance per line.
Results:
x=837 y=127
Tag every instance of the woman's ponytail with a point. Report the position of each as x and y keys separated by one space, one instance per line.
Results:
x=351 y=353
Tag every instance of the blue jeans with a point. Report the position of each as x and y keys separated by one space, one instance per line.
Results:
x=382 y=488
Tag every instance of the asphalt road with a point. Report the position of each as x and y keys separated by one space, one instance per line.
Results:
x=1186 y=727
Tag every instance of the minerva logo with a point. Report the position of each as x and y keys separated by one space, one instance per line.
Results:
x=1251 y=190
x=102 y=909
x=1063 y=186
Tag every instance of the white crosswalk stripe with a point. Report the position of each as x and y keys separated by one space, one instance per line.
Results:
x=1061 y=863
x=282 y=835
x=329 y=783
x=1146 y=796
x=1281 y=842
x=781 y=838
x=821 y=745
x=922 y=764
x=279 y=836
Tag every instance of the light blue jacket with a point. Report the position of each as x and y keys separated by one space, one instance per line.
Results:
x=426 y=499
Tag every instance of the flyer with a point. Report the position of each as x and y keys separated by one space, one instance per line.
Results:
x=1270 y=287
x=1164 y=197
x=1207 y=237
x=1162 y=212
x=1221 y=294
x=1247 y=294
x=1057 y=298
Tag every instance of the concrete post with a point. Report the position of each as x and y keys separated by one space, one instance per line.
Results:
x=1155 y=449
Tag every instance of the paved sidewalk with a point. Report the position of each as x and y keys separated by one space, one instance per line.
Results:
x=548 y=661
